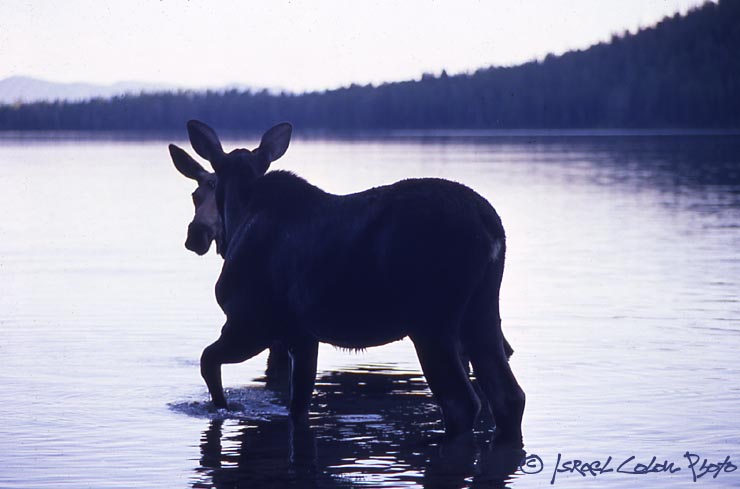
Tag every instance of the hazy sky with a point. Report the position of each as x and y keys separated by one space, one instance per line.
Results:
x=297 y=44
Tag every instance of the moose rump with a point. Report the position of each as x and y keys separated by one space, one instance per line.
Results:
x=421 y=258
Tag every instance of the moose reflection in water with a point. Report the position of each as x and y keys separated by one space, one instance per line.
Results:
x=360 y=436
x=422 y=258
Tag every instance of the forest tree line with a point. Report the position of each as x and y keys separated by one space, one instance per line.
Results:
x=682 y=72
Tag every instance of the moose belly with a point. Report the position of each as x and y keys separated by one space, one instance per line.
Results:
x=353 y=317
x=375 y=311
x=355 y=331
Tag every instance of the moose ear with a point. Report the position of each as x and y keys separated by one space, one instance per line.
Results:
x=275 y=141
x=204 y=140
x=185 y=164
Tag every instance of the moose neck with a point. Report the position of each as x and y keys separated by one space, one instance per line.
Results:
x=236 y=199
x=286 y=195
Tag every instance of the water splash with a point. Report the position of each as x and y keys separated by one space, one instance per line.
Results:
x=245 y=403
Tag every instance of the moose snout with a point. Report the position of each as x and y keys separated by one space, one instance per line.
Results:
x=199 y=238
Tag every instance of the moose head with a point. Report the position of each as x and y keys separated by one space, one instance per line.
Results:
x=237 y=169
x=206 y=225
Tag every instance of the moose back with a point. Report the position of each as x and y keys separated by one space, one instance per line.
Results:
x=421 y=258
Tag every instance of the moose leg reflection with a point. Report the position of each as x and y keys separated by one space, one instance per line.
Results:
x=269 y=454
x=352 y=444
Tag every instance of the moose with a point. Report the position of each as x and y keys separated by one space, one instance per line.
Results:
x=420 y=258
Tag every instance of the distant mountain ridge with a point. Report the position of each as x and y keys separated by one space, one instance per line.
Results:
x=25 y=89
x=684 y=72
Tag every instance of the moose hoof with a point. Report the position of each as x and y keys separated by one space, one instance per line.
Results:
x=220 y=404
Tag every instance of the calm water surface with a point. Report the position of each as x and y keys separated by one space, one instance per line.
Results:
x=620 y=298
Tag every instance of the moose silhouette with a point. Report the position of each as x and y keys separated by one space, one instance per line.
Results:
x=421 y=258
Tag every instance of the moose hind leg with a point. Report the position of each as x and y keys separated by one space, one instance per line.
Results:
x=442 y=366
x=505 y=396
x=277 y=373
x=227 y=349
x=302 y=377
x=489 y=352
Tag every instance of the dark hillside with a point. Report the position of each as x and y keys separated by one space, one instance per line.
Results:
x=683 y=72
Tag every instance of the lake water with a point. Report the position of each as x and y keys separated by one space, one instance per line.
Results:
x=620 y=298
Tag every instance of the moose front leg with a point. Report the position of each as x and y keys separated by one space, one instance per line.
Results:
x=229 y=348
x=303 y=355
